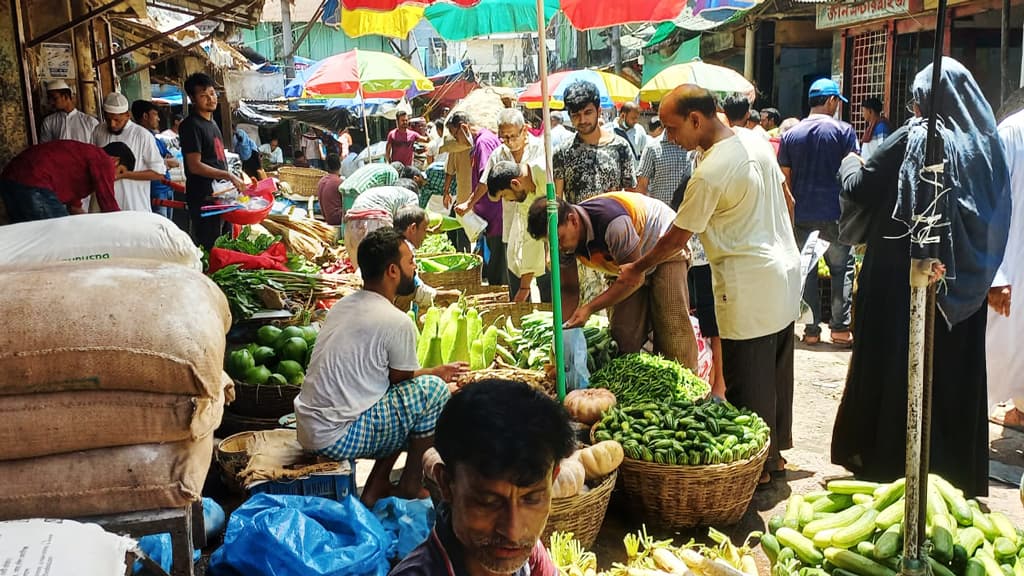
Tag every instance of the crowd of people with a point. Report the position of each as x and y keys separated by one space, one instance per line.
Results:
x=707 y=212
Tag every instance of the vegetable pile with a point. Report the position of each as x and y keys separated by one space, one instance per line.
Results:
x=447 y=263
x=530 y=345
x=436 y=244
x=855 y=528
x=681 y=433
x=648 y=557
x=456 y=335
x=278 y=357
x=642 y=377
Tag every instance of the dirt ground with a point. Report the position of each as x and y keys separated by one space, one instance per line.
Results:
x=820 y=377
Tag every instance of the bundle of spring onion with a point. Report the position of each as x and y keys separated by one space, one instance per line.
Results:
x=646 y=556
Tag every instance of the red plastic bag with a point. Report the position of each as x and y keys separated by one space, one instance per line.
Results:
x=272 y=258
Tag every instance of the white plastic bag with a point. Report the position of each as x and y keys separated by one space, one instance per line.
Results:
x=108 y=236
x=811 y=252
x=58 y=547
x=473 y=224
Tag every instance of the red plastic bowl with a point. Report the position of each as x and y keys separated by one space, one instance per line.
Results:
x=264 y=189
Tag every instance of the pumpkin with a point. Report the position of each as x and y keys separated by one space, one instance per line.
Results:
x=586 y=406
x=569 y=481
x=601 y=459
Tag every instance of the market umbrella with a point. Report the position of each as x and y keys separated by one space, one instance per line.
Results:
x=397 y=23
x=614 y=89
x=456 y=23
x=708 y=76
x=365 y=74
x=587 y=14
x=389 y=5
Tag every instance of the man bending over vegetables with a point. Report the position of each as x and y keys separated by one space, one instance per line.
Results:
x=365 y=395
x=499 y=444
x=412 y=223
x=609 y=231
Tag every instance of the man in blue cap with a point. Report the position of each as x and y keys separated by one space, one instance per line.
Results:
x=809 y=155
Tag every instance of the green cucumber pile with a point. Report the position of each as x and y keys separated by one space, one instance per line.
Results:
x=641 y=377
x=683 y=433
x=855 y=528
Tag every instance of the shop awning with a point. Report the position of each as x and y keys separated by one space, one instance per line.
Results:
x=245 y=13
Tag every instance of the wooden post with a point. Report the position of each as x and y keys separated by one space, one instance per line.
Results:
x=1004 y=53
x=286 y=39
x=84 y=64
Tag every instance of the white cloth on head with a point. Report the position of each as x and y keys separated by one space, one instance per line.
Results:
x=133 y=194
x=363 y=338
x=1004 y=336
x=74 y=125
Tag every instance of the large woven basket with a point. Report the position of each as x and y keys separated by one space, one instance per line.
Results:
x=302 y=180
x=491 y=313
x=581 y=514
x=688 y=496
x=457 y=279
x=264 y=401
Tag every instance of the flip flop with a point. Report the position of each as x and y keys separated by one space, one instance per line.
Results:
x=810 y=340
x=841 y=341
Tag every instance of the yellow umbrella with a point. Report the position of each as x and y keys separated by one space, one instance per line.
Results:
x=395 y=23
x=708 y=76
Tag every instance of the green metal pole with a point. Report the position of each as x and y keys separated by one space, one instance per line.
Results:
x=556 y=276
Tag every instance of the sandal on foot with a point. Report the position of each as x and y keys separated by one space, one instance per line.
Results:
x=810 y=340
x=842 y=338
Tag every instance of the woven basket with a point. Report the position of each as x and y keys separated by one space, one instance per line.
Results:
x=581 y=514
x=266 y=401
x=514 y=310
x=687 y=496
x=233 y=457
x=302 y=180
x=457 y=279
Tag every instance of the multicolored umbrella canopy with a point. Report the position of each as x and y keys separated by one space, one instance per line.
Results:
x=389 y=5
x=614 y=89
x=396 y=23
x=714 y=78
x=587 y=14
x=366 y=73
x=487 y=17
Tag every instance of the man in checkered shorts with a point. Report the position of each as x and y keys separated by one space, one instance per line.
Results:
x=365 y=395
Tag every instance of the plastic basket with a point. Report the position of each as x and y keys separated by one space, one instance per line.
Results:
x=263 y=189
x=332 y=485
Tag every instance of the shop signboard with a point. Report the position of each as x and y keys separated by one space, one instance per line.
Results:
x=846 y=14
x=57 y=61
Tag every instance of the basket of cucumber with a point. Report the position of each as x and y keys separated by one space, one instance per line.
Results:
x=687 y=463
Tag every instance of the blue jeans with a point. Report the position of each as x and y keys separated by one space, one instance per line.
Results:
x=29 y=203
x=839 y=259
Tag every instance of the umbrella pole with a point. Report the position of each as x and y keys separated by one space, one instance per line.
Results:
x=922 y=329
x=556 y=275
x=366 y=124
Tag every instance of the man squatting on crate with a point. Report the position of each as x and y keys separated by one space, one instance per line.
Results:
x=365 y=395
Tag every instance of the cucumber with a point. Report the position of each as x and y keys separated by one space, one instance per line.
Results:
x=982 y=522
x=856 y=563
x=852 y=487
x=774 y=523
x=888 y=544
x=863 y=499
x=954 y=500
x=889 y=494
x=806 y=513
x=939 y=569
x=936 y=505
x=841 y=572
x=832 y=503
x=1018 y=567
x=891 y=515
x=942 y=537
x=858 y=531
x=792 y=517
x=959 y=563
x=815 y=496
x=786 y=554
x=770 y=545
x=1007 y=569
x=805 y=571
x=970 y=538
x=1005 y=549
x=838 y=520
x=974 y=568
x=823 y=538
x=989 y=562
x=1004 y=527
x=892 y=563
x=801 y=545
x=866 y=549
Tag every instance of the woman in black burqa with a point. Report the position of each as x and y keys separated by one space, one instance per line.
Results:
x=870 y=429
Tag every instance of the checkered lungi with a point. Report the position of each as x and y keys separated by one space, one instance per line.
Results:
x=408 y=409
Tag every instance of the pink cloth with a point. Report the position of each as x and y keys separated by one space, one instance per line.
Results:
x=402 y=142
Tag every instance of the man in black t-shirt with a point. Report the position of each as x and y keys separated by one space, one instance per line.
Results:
x=202 y=146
